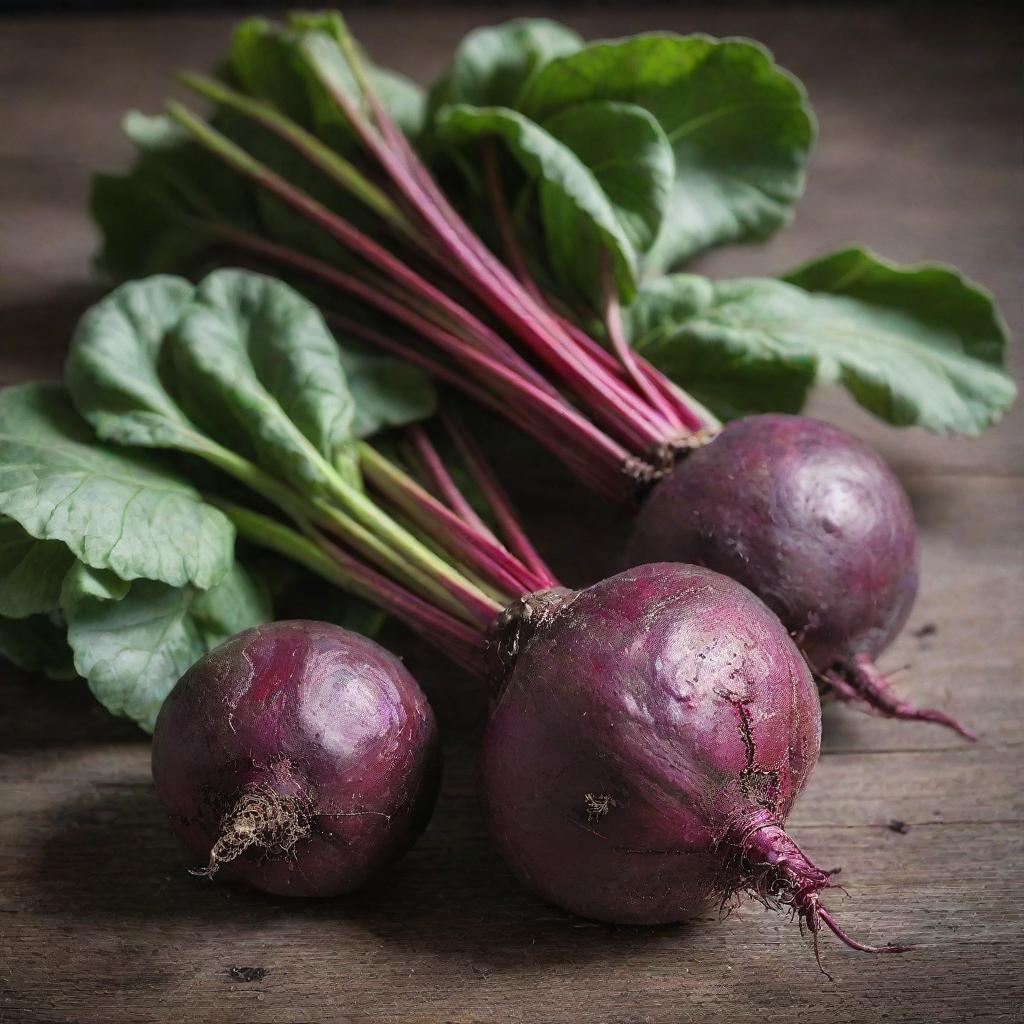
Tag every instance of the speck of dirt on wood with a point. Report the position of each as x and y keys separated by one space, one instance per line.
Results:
x=928 y=629
x=247 y=973
x=899 y=826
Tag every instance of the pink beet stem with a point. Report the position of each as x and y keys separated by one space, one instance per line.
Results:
x=438 y=475
x=498 y=501
x=458 y=640
x=498 y=289
x=480 y=552
x=621 y=347
x=573 y=430
x=636 y=407
x=537 y=426
x=506 y=232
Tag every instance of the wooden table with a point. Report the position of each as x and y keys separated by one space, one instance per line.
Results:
x=99 y=921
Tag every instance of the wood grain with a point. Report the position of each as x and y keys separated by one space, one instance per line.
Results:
x=99 y=921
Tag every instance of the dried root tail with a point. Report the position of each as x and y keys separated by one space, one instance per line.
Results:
x=262 y=818
x=860 y=682
x=771 y=868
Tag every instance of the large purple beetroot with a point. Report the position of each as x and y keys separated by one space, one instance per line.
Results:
x=646 y=747
x=816 y=524
x=298 y=757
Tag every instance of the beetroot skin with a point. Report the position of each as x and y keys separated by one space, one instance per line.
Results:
x=297 y=757
x=812 y=521
x=646 y=748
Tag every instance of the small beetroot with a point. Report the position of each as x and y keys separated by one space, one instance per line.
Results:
x=298 y=757
x=816 y=524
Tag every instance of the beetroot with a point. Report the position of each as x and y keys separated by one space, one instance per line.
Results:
x=646 y=748
x=813 y=522
x=298 y=757
x=649 y=734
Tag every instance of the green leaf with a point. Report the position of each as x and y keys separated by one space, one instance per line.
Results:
x=636 y=173
x=401 y=97
x=387 y=392
x=193 y=177
x=492 y=64
x=916 y=345
x=239 y=601
x=42 y=576
x=685 y=325
x=142 y=230
x=322 y=38
x=265 y=61
x=114 y=510
x=740 y=128
x=133 y=651
x=113 y=369
x=83 y=582
x=32 y=571
x=579 y=219
x=252 y=353
x=37 y=644
x=156 y=217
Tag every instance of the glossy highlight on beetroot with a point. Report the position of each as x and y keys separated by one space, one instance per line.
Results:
x=297 y=757
x=815 y=523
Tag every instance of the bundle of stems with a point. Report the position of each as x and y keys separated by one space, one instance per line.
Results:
x=465 y=316
x=412 y=544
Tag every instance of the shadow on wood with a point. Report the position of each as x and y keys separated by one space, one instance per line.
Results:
x=109 y=856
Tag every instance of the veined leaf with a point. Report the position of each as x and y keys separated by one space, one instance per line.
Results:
x=635 y=173
x=114 y=510
x=915 y=345
x=918 y=344
x=133 y=651
x=252 y=353
x=682 y=324
x=493 y=63
x=740 y=128
x=113 y=369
